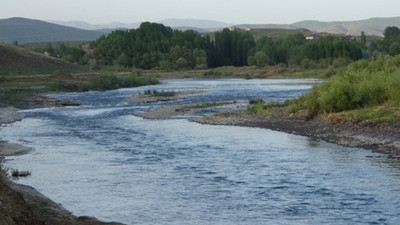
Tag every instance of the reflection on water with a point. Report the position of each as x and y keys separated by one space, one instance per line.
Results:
x=99 y=160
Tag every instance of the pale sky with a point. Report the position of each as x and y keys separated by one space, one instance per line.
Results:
x=228 y=11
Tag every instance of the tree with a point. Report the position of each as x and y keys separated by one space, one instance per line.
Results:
x=181 y=63
x=391 y=33
x=394 y=49
x=123 y=60
x=261 y=59
x=363 y=40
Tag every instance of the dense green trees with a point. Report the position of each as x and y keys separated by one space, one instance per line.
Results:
x=296 y=50
x=152 y=46
x=232 y=47
x=156 y=46
x=390 y=44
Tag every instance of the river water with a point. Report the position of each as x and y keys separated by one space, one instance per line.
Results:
x=100 y=160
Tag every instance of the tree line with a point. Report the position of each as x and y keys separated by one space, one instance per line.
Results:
x=155 y=46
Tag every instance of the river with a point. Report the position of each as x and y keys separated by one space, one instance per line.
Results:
x=99 y=160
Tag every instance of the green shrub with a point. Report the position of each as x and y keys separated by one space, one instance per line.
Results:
x=4 y=171
x=254 y=101
x=109 y=81
x=257 y=108
x=361 y=84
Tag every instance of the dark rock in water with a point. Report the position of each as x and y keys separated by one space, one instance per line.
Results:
x=17 y=173
x=67 y=103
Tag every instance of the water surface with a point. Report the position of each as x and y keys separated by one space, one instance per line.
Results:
x=100 y=160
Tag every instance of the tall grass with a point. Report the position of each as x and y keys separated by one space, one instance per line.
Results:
x=362 y=84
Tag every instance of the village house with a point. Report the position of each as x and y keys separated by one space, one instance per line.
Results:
x=312 y=37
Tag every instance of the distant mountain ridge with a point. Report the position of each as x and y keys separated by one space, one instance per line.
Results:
x=195 y=23
x=28 y=30
x=372 y=26
x=87 y=26
x=181 y=24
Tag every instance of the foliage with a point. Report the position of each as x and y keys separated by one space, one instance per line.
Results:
x=151 y=46
x=4 y=171
x=73 y=54
x=310 y=54
x=363 y=84
x=107 y=81
x=260 y=107
x=256 y=101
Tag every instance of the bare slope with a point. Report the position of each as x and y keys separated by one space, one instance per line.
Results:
x=17 y=60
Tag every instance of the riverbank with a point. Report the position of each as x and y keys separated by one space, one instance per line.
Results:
x=379 y=137
x=23 y=205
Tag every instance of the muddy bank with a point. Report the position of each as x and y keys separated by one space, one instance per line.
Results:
x=383 y=138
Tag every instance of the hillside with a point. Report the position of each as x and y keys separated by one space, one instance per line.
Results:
x=373 y=26
x=16 y=60
x=28 y=30
x=278 y=33
x=87 y=26
x=195 y=23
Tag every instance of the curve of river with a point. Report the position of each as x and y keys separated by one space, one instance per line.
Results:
x=100 y=160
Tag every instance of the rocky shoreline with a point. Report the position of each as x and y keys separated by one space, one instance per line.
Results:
x=383 y=138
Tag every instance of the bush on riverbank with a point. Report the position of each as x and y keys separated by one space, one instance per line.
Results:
x=362 y=85
x=109 y=81
x=365 y=90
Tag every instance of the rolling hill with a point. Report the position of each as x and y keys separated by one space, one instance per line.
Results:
x=194 y=23
x=372 y=26
x=16 y=60
x=87 y=26
x=28 y=30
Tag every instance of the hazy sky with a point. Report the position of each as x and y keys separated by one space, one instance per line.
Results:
x=229 y=11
